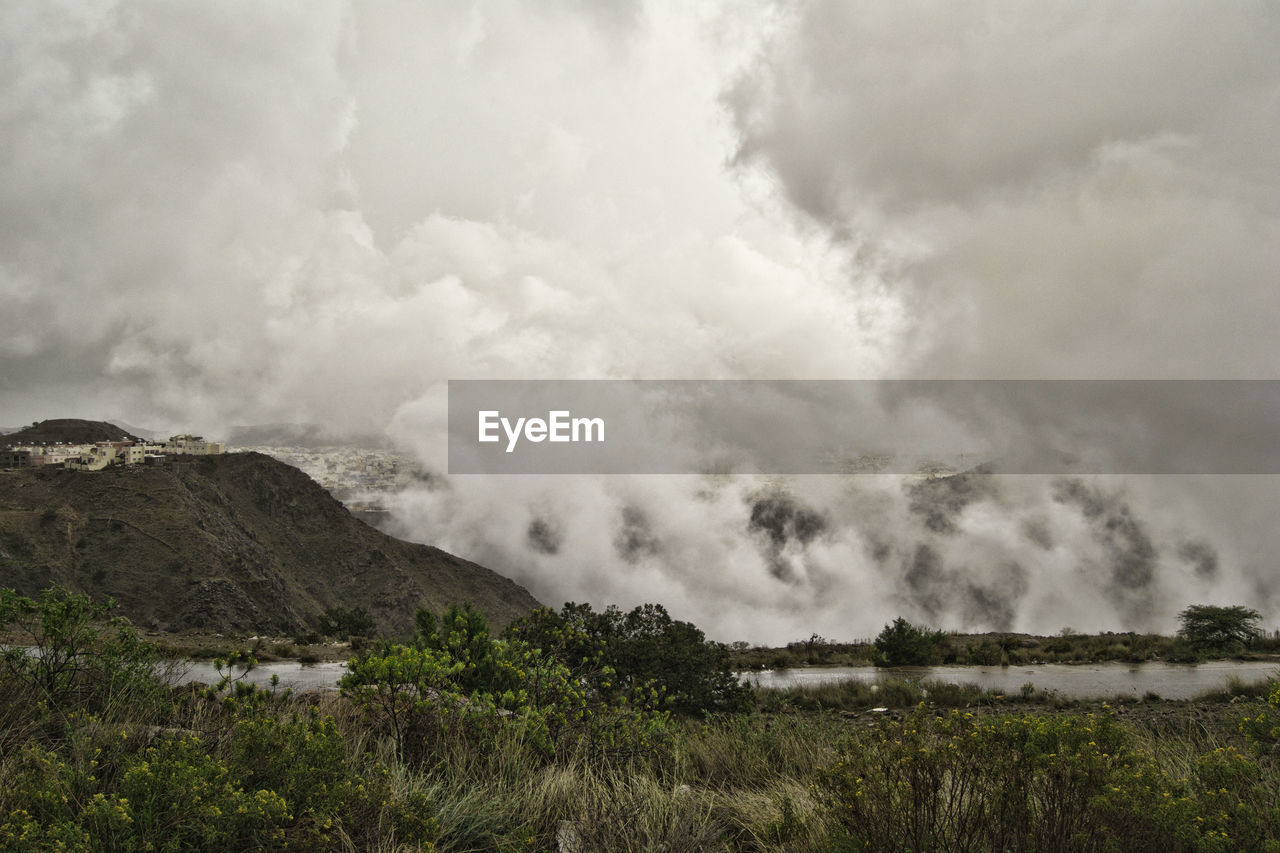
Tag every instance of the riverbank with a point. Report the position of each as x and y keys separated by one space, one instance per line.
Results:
x=990 y=649
x=895 y=694
x=1006 y=649
x=206 y=647
x=1070 y=681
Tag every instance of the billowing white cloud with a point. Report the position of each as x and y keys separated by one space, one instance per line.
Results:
x=1063 y=190
x=236 y=213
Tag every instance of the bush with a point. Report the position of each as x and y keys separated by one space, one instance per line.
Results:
x=345 y=623
x=459 y=682
x=958 y=782
x=457 y=685
x=1263 y=729
x=903 y=644
x=621 y=655
x=171 y=796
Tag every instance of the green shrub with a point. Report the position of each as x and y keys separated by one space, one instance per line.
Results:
x=303 y=757
x=1263 y=729
x=960 y=782
x=70 y=653
x=179 y=797
x=903 y=644
x=171 y=796
x=957 y=782
x=458 y=684
x=621 y=655
x=986 y=653
x=344 y=623
x=1235 y=808
x=403 y=690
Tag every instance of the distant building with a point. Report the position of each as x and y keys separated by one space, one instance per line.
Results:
x=105 y=454
x=15 y=458
x=101 y=455
x=48 y=454
x=193 y=445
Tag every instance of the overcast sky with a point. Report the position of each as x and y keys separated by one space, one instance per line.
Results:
x=244 y=212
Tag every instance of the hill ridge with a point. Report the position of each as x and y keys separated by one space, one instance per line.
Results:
x=237 y=542
x=67 y=431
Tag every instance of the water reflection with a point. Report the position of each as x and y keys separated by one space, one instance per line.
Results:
x=1083 y=681
x=299 y=676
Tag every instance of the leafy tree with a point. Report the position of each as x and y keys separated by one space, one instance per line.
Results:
x=903 y=644
x=1209 y=627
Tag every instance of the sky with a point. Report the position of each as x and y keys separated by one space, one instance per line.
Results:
x=320 y=212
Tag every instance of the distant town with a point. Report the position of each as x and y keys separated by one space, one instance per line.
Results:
x=100 y=455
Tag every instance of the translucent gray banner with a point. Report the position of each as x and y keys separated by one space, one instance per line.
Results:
x=864 y=426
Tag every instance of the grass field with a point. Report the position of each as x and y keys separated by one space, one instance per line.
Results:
x=97 y=754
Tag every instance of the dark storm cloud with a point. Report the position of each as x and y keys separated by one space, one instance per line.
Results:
x=940 y=500
x=781 y=524
x=1131 y=555
x=927 y=582
x=544 y=537
x=635 y=539
x=1201 y=556
x=783 y=520
x=994 y=607
x=1037 y=530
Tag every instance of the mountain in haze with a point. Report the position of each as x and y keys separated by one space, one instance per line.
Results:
x=147 y=434
x=297 y=435
x=238 y=542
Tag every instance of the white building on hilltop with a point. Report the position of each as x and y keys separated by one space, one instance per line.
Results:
x=101 y=455
x=105 y=454
x=192 y=445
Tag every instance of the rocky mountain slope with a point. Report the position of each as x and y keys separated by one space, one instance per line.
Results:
x=237 y=543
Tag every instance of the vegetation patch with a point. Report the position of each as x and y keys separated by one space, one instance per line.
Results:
x=562 y=734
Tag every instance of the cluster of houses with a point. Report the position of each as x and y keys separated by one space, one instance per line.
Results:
x=104 y=454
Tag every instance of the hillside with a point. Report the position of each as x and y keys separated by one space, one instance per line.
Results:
x=67 y=431
x=236 y=543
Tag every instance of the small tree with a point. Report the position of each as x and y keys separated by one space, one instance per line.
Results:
x=1208 y=627
x=68 y=652
x=462 y=632
x=903 y=644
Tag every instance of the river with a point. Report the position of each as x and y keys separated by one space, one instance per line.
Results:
x=1074 y=681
